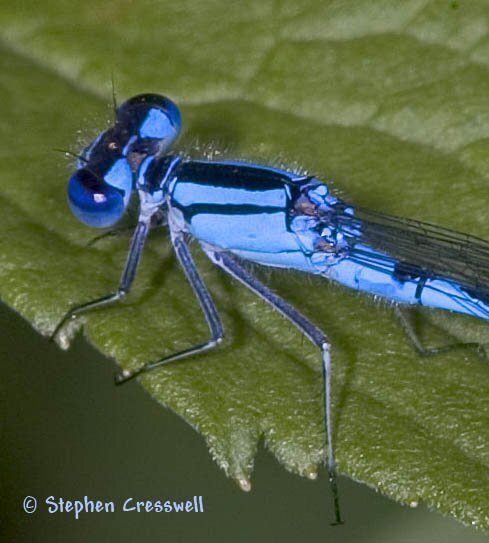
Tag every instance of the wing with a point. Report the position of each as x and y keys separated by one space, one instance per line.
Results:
x=420 y=249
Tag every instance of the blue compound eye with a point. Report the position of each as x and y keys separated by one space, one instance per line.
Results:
x=118 y=174
x=93 y=201
x=151 y=123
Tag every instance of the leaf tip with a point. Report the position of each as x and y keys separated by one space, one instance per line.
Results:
x=311 y=473
x=65 y=336
x=244 y=484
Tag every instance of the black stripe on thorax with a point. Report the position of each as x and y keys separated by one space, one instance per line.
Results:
x=231 y=176
x=227 y=209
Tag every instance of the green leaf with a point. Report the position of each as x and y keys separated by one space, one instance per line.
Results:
x=387 y=100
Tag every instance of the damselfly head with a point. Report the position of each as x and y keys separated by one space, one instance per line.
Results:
x=98 y=195
x=106 y=147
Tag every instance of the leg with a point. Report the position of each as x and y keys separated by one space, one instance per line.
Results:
x=206 y=303
x=423 y=351
x=125 y=282
x=110 y=234
x=157 y=220
x=314 y=334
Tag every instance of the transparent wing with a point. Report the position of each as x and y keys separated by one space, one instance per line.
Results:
x=421 y=249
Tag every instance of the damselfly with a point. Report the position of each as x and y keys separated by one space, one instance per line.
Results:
x=244 y=211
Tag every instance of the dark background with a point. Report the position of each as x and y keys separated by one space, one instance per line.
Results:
x=67 y=431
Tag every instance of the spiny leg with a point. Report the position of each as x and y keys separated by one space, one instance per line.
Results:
x=314 y=334
x=431 y=351
x=117 y=232
x=157 y=219
x=125 y=282
x=209 y=309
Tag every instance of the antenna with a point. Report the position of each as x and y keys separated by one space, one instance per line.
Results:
x=114 y=98
x=70 y=153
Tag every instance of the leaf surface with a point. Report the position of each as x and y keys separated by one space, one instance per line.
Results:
x=388 y=102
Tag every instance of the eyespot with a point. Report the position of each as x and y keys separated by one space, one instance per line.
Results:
x=152 y=123
x=93 y=201
x=105 y=147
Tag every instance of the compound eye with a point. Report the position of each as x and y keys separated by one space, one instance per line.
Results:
x=152 y=121
x=118 y=174
x=161 y=121
x=93 y=201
